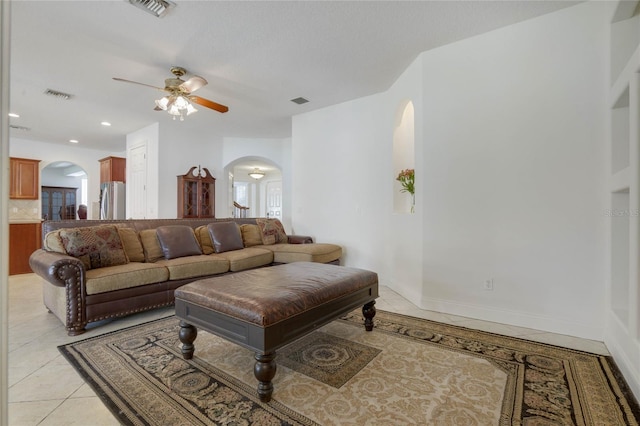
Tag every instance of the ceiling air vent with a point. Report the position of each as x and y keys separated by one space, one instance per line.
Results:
x=58 y=95
x=24 y=129
x=157 y=8
x=299 y=101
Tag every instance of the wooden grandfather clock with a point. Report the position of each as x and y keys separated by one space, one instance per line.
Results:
x=196 y=194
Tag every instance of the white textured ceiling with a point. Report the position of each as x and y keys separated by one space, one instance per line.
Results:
x=256 y=55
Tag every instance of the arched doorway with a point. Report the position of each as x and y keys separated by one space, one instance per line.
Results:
x=255 y=188
x=63 y=190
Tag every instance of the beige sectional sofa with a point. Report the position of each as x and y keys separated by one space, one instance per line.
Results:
x=95 y=270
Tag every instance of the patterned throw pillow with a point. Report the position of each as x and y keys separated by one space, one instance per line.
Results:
x=53 y=242
x=272 y=231
x=95 y=246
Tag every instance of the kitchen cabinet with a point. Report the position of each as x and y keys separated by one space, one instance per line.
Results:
x=196 y=194
x=24 y=239
x=113 y=169
x=24 y=178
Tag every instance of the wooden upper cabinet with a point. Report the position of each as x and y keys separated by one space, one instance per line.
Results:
x=25 y=179
x=113 y=169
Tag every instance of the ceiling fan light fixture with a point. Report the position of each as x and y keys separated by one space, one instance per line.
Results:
x=176 y=105
x=162 y=103
x=256 y=174
x=191 y=109
x=157 y=8
x=181 y=102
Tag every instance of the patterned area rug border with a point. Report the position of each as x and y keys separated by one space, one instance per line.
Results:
x=547 y=384
x=460 y=339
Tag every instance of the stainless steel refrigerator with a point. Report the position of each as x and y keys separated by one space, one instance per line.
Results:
x=112 y=200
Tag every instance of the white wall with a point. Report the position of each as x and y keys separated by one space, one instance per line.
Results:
x=179 y=150
x=509 y=175
x=515 y=171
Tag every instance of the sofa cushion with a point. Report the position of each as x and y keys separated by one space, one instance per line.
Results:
x=247 y=258
x=225 y=236
x=195 y=266
x=95 y=246
x=178 y=241
x=151 y=245
x=272 y=231
x=251 y=235
x=131 y=244
x=203 y=237
x=124 y=276
x=53 y=242
x=316 y=252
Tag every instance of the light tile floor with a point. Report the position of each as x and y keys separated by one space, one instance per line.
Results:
x=45 y=390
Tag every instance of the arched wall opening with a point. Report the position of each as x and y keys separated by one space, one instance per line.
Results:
x=257 y=197
x=64 y=188
x=404 y=156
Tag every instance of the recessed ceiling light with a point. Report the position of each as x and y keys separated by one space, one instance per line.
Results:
x=106 y=123
x=73 y=140
x=14 y=115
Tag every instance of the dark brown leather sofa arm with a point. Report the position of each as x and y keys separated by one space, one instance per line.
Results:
x=58 y=269
x=299 y=239
x=64 y=271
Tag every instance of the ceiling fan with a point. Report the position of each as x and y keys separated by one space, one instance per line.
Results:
x=179 y=98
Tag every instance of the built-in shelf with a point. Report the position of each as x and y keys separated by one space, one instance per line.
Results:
x=620 y=219
x=622 y=332
x=625 y=36
x=620 y=181
x=620 y=133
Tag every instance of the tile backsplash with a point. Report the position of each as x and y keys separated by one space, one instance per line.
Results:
x=24 y=210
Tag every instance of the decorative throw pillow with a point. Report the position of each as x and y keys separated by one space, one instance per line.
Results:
x=53 y=242
x=95 y=246
x=151 y=245
x=131 y=244
x=251 y=235
x=272 y=231
x=178 y=241
x=225 y=236
x=203 y=237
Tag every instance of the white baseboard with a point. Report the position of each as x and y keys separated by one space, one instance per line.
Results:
x=515 y=318
x=626 y=367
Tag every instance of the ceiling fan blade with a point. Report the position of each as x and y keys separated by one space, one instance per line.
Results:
x=141 y=84
x=209 y=104
x=193 y=84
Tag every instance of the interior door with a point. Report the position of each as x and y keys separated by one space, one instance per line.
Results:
x=137 y=182
x=274 y=199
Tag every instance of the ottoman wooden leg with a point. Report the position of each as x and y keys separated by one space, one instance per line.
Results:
x=187 y=335
x=369 y=311
x=265 y=370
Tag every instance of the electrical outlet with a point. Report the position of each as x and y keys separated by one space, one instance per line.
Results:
x=488 y=284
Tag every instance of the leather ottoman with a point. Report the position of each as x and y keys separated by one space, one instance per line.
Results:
x=265 y=309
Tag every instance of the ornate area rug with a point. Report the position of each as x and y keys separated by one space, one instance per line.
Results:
x=408 y=371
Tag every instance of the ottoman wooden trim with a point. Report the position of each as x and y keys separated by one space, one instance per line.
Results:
x=310 y=303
